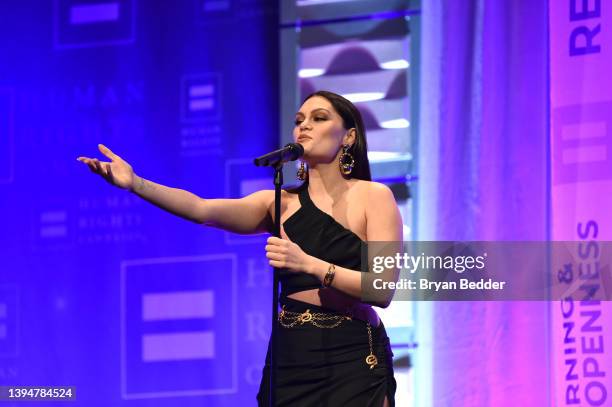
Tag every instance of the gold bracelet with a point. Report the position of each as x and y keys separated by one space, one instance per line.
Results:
x=329 y=276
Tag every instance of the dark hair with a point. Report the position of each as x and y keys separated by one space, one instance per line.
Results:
x=351 y=118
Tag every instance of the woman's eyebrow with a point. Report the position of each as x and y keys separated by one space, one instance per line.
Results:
x=314 y=110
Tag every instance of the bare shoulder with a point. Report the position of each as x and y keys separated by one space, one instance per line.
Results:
x=383 y=218
x=372 y=191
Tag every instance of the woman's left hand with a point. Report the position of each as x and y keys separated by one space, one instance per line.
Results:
x=284 y=253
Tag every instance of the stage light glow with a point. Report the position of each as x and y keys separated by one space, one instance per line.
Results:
x=310 y=72
x=302 y=3
x=364 y=96
x=395 y=64
x=395 y=124
x=382 y=155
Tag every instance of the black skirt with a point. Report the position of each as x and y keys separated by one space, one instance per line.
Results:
x=327 y=366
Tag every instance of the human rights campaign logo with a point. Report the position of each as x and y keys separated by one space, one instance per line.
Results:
x=89 y=23
x=178 y=326
x=201 y=97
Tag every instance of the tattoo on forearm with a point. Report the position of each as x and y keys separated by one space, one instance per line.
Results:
x=148 y=184
x=142 y=185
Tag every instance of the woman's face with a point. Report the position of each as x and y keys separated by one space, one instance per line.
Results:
x=319 y=128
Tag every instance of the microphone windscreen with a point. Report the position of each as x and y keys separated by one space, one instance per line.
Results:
x=297 y=149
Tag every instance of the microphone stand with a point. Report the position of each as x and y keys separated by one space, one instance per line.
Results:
x=278 y=183
x=275 y=159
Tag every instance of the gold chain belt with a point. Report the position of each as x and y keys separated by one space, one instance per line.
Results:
x=289 y=319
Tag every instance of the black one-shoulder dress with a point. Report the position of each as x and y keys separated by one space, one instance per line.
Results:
x=321 y=354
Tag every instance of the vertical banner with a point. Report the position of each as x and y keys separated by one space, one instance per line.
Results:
x=581 y=159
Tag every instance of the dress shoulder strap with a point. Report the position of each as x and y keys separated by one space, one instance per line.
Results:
x=304 y=197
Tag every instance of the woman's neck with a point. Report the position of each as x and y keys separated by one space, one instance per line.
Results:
x=326 y=179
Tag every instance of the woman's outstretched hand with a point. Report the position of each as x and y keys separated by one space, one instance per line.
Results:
x=116 y=172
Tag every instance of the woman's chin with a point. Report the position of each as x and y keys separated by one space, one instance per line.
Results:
x=306 y=150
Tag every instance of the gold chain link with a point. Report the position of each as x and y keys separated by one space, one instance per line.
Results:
x=289 y=319
x=371 y=359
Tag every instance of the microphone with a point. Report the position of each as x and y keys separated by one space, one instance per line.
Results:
x=290 y=152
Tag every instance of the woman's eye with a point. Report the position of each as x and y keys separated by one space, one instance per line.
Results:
x=316 y=119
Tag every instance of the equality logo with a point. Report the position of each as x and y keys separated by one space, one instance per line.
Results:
x=178 y=326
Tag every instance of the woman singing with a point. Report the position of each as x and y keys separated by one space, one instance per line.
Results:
x=332 y=347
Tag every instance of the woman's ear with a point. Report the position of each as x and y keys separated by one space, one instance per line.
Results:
x=349 y=137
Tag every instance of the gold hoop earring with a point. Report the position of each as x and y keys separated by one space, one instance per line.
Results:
x=301 y=172
x=346 y=161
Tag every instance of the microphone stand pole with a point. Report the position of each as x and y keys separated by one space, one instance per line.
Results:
x=275 y=159
x=278 y=183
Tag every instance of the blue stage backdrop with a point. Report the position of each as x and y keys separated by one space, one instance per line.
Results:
x=98 y=289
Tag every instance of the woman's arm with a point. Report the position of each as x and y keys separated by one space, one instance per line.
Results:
x=246 y=215
x=384 y=224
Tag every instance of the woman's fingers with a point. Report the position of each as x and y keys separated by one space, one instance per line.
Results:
x=101 y=168
x=274 y=256
x=88 y=162
x=277 y=264
x=107 y=152
x=285 y=254
x=275 y=252
x=109 y=171
x=275 y=248
x=84 y=160
x=97 y=165
x=105 y=169
x=277 y=241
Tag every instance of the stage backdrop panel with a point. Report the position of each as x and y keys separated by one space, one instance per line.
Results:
x=581 y=158
x=99 y=289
